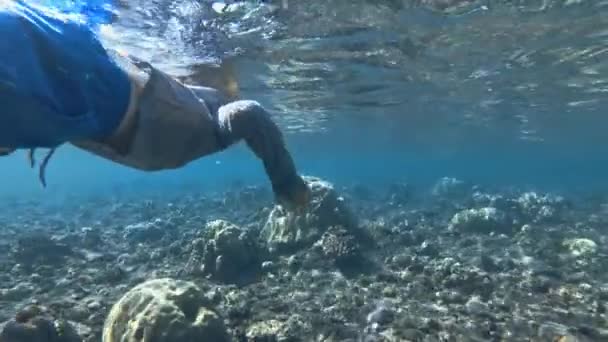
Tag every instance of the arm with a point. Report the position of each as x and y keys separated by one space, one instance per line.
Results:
x=174 y=124
x=249 y=121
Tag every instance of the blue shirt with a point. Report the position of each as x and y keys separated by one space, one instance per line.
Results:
x=57 y=82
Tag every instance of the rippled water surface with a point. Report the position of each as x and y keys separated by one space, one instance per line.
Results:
x=403 y=88
x=504 y=71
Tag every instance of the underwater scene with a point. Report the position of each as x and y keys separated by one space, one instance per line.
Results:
x=456 y=158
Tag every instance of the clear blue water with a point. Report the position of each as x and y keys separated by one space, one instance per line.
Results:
x=510 y=92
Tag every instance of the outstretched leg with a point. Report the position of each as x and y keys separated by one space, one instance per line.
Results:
x=249 y=121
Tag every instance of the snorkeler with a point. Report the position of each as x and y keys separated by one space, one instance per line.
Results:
x=58 y=85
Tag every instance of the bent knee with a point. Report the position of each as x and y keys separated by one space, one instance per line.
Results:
x=242 y=116
x=242 y=107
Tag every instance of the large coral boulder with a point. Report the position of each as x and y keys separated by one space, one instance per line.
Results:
x=164 y=310
x=285 y=230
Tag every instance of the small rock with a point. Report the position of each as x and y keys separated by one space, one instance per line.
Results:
x=580 y=247
x=483 y=220
x=91 y=238
x=265 y=331
x=293 y=262
x=475 y=306
x=339 y=246
x=268 y=266
x=149 y=231
x=38 y=248
x=382 y=314
x=228 y=253
x=17 y=292
x=540 y=208
x=551 y=331
x=34 y=324
x=285 y=231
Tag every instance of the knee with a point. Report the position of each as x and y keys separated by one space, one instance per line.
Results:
x=242 y=108
x=243 y=116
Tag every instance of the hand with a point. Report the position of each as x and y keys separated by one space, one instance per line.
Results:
x=294 y=197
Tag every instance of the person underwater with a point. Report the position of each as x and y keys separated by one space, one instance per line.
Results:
x=59 y=84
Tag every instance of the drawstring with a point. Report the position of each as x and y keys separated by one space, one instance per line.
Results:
x=43 y=165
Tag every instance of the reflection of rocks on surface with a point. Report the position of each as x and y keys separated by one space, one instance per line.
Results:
x=164 y=310
x=285 y=230
x=227 y=253
x=39 y=248
x=482 y=220
x=35 y=324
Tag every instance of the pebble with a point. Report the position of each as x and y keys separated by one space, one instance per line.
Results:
x=268 y=266
x=382 y=314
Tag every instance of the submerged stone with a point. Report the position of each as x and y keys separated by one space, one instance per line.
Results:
x=580 y=247
x=227 y=253
x=482 y=220
x=285 y=230
x=339 y=246
x=265 y=331
x=540 y=208
x=38 y=248
x=148 y=231
x=164 y=310
x=293 y=329
x=17 y=293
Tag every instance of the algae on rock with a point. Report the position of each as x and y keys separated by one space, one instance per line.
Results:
x=164 y=309
x=285 y=230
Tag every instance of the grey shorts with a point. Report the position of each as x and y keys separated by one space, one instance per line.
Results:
x=172 y=125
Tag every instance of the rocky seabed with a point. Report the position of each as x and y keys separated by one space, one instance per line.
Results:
x=456 y=262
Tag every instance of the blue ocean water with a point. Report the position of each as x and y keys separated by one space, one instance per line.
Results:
x=500 y=93
x=508 y=96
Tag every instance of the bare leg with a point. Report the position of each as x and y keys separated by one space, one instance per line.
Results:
x=249 y=121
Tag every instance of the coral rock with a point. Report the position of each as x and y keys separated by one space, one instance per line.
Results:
x=225 y=253
x=164 y=310
x=580 y=247
x=285 y=230
x=482 y=220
